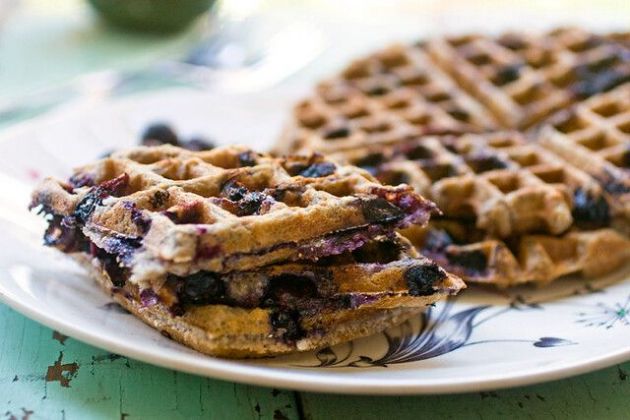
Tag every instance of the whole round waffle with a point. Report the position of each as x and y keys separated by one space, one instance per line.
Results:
x=522 y=140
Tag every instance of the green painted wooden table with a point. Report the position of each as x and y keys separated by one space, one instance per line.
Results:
x=45 y=375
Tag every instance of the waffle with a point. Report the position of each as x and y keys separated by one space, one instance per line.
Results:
x=499 y=181
x=534 y=258
x=387 y=96
x=595 y=136
x=284 y=307
x=287 y=254
x=459 y=84
x=523 y=78
x=223 y=210
x=507 y=196
x=233 y=332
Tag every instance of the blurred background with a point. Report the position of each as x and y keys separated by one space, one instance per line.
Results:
x=53 y=52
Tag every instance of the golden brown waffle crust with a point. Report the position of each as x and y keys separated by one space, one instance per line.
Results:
x=468 y=83
x=163 y=183
x=239 y=333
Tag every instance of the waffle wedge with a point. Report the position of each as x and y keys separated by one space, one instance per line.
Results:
x=286 y=307
x=177 y=211
x=239 y=254
x=233 y=332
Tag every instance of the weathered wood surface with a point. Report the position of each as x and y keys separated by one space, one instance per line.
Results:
x=45 y=375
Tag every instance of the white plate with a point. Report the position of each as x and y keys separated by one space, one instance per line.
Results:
x=482 y=340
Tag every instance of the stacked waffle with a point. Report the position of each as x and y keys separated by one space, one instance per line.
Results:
x=522 y=206
x=240 y=254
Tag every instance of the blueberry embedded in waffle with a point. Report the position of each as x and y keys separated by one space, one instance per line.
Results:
x=300 y=247
x=512 y=207
x=165 y=209
x=532 y=258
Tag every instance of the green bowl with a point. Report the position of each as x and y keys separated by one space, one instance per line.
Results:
x=151 y=15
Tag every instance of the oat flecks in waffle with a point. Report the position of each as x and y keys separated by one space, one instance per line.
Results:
x=227 y=209
x=457 y=84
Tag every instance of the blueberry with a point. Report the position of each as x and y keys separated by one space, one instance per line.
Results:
x=379 y=210
x=287 y=323
x=159 y=133
x=617 y=187
x=247 y=159
x=317 y=170
x=197 y=144
x=140 y=219
x=289 y=290
x=508 y=74
x=95 y=196
x=202 y=287
x=590 y=211
x=599 y=82
x=62 y=232
x=437 y=240
x=148 y=297
x=247 y=202
x=420 y=279
x=473 y=262
x=81 y=180
x=234 y=190
x=123 y=247
x=601 y=75
x=251 y=203
x=117 y=274
x=88 y=204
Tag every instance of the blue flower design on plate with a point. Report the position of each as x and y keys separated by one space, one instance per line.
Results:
x=608 y=316
x=440 y=331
